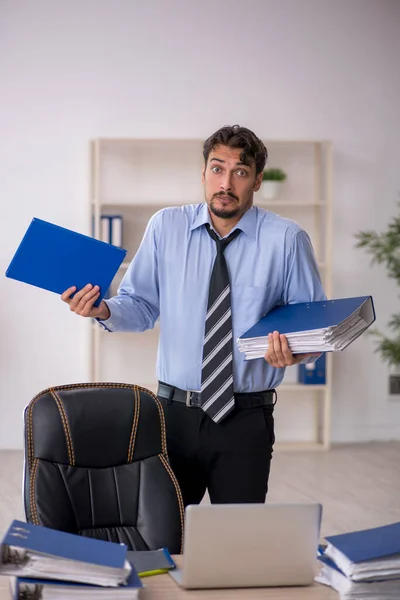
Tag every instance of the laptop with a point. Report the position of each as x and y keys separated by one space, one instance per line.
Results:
x=249 y=545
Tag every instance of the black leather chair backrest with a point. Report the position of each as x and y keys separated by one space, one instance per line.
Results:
x=96 y=464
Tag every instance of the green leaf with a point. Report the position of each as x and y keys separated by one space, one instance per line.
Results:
x=384 y=248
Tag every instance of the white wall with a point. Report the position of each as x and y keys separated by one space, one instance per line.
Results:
x=71 y=71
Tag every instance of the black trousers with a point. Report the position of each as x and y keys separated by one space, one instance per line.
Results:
x=231 y=459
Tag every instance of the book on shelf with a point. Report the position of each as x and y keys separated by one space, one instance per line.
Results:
x=313 y=373
x=111 y=229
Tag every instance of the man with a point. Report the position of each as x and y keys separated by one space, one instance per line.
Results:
x=210 y=271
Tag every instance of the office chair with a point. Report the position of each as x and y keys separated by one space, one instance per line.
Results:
x=96 y=464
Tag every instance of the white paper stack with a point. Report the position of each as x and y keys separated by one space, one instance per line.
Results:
x=323 y=326
x=331 y=576
x=363 y=564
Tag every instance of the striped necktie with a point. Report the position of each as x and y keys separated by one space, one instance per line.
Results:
x=217 y=398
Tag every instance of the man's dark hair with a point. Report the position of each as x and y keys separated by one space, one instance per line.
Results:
x=235 y=136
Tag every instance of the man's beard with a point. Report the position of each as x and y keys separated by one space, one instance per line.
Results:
x=224 y=213
x=227 y=213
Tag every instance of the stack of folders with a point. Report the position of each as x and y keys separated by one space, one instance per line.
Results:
x=323 y=326
x=45 y=563
x=363 y=564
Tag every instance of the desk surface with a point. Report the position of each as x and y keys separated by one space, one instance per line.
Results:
x=160 y=587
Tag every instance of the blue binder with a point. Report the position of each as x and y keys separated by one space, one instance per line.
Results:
x=55 y=258
x=62 y=545
x=25 y=587
x=368 y=544
x=314 y=373
x=306 y=316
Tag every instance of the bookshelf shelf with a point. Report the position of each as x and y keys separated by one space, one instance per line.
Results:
x=124 y=180
x=302 y=387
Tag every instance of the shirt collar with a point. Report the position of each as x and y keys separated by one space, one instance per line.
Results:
x=248 y=222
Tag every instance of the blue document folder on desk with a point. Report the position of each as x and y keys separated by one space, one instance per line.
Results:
x=375 y=588
x=29 y=550
x=24 y=588
x=55 y=258
x=367 y=555
x=322 y=326
x=368 y=544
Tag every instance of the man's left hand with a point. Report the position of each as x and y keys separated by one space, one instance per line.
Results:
x=278 y=353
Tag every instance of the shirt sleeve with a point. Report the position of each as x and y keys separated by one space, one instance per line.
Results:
x=303 y=281
x=136 y=305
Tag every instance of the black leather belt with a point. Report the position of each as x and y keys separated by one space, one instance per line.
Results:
x=193 y=399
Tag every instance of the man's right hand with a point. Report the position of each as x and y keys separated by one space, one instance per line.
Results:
x=82 y=302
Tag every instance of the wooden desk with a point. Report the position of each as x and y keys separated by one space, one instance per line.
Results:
x=163 y=587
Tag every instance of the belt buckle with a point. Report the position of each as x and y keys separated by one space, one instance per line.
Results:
x=189 y=397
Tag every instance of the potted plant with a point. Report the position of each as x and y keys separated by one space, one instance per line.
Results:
x=271 y=182
x=385 y=249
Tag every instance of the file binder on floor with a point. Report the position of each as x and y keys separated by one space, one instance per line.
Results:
x=55 y=258
x=29 y=550
x=322 y=326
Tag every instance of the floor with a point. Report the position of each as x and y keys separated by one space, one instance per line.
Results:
x=358 y=485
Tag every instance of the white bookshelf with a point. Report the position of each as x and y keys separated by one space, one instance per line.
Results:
x=137 y=177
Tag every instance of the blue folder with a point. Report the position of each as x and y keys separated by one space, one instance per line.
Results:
x=55 y=258
x=368 y=544
x=306 y=316
x=149 y=562
x=62 y=545
x=26 y=587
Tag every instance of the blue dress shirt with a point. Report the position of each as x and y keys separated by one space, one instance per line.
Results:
x=271 y=263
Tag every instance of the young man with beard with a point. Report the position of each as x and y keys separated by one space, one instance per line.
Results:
x=210 y=271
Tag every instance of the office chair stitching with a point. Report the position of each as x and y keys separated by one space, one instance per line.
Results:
x=162 y=423
x=30 y=426
x=52 y=391
x=68 y=432
x=64 y=420
x=73 y=386
x=178 y=493
x=31 y=491
x=135 y=422
x=30 y=436
x=162 y=417
x=34 y=512
x=65 y=426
